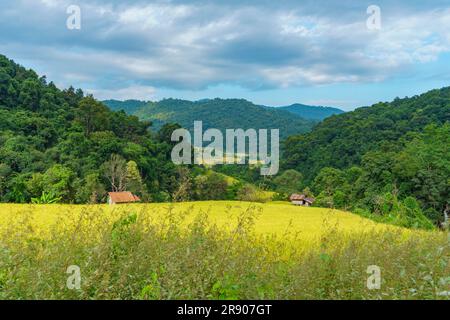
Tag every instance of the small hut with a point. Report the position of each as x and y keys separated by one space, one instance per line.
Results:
x=301 y=200
x=122 y=197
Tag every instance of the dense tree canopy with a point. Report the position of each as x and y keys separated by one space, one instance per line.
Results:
x=56 y=142
x=342 y=140
x=410 y=187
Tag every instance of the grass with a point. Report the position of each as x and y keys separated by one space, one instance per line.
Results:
x=214 y=250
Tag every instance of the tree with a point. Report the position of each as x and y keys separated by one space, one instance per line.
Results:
x=5 y=171
x=211 y=186
x=422 y=169
x=333 y=187
x=290 y=181
x=251 y=193
x=5 y=82
x=324 y=200
x=58 y=181
x=328 y=180
x=35 y=185
x=133 y=181
x=93 y=115
x=308 y=193
x=165 y=133
x=30 y=94
x=17 y=189
x=90 y=189
x=341 y=141
x=183 y=191
x=115 y=171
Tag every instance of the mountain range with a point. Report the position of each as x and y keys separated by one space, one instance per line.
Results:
x=226 y=113
x=311 y=112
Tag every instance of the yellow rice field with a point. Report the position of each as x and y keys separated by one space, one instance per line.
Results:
x=213 y=250
x=278 y=218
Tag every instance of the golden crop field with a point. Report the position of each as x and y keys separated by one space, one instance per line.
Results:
x=214 y=250
x=272 y=218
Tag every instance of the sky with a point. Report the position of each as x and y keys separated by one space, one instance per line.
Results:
x=270 y=52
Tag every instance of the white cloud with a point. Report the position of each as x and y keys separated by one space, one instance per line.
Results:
x=51 y=3
x=153 y=15
x=133 y=92
x=189 y=45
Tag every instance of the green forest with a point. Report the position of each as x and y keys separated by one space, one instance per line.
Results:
x=311 y=112
x=221 y=114
x=61 y=144
x=390 y=161
x=380 y=157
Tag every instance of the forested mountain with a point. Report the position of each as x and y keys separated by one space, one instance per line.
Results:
x=219 y=113
x=62 y=144
x=129 y=106
x=312 y=112
x=374 y=155
x=316 y=113
x=341 y=141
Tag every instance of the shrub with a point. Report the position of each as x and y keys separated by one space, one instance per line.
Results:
x=250 y=193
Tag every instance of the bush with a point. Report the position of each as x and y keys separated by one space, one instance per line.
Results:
x=250 y=193
x=212 y=186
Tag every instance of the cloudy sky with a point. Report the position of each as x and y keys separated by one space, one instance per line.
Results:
x=269 y=52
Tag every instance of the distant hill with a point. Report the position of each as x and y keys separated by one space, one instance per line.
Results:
x=312 y=112
x=341 y=141
x=129 y=106
x=217 y=113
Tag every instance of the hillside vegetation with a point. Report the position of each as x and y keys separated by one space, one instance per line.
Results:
x=129 y=106
x=342 y=140
x=390 y=159
x=60 y=145
x=311 y=112
x=221 y=114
